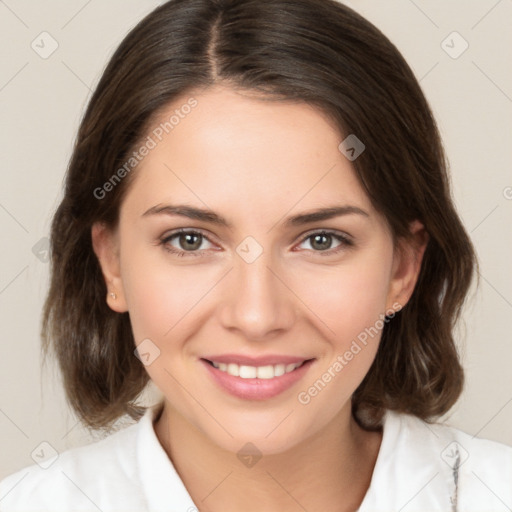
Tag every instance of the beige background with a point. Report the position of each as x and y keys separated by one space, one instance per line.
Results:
x=42 y=100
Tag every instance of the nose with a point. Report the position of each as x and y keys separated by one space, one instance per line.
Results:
x=257 y=300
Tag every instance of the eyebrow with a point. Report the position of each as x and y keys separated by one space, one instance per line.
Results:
x=210 y=216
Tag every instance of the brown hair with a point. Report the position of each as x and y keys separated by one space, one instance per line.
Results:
x=315 y=51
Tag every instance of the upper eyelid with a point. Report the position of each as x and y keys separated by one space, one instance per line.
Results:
x=335 y=232
x=176 y=232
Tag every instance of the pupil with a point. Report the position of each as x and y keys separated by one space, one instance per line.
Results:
x=326 y=241
x=187 y=239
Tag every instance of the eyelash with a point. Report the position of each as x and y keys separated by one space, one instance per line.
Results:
x=345 y=242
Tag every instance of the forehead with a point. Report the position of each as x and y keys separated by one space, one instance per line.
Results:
x=236 y=150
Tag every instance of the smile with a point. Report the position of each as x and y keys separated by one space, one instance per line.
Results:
x=259 y=382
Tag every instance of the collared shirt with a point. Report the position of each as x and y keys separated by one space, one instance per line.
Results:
x=420 y=467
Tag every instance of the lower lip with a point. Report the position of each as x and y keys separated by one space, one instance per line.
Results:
x=256 y=389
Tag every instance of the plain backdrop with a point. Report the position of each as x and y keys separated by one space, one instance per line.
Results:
x=458 y=50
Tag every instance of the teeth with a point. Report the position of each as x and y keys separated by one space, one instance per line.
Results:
x=252 y=372
x=233 y=369
x=248 y=372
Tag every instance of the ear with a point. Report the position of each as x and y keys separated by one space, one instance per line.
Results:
x=407 y=265
x=105 y=243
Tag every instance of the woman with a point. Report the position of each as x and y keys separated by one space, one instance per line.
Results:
x=257 y=218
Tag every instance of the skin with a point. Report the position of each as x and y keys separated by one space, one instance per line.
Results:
x=256 y=163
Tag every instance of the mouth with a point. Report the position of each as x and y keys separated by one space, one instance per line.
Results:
x=251 y=382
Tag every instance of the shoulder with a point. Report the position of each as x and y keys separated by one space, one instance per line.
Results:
x=79 y=477
x=456 y=446
x=128 y=471
x=474 y=472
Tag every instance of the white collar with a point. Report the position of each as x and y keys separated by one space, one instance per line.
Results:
x=163 y=488
x=406 y=471
x=410 y=473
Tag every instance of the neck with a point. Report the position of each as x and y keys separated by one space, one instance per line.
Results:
x=330 y=470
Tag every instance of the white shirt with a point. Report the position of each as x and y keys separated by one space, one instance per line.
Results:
x=415 y=471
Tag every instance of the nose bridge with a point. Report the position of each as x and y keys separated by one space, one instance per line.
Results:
x=256 y=301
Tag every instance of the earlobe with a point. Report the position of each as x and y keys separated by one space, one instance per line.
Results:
x=407 y=264
x=106 y=247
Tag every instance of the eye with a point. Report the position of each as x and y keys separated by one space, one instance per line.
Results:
x=321 y=242
x=189 y=242
x=186 y=243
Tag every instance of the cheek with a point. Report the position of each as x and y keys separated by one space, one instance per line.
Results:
x=158 y=293
x=347 y=298
x=350 y=303
x=167 y=301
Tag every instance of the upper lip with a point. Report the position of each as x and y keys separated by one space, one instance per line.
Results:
x=264 y=360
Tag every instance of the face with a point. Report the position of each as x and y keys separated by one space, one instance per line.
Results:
x=224 y=270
